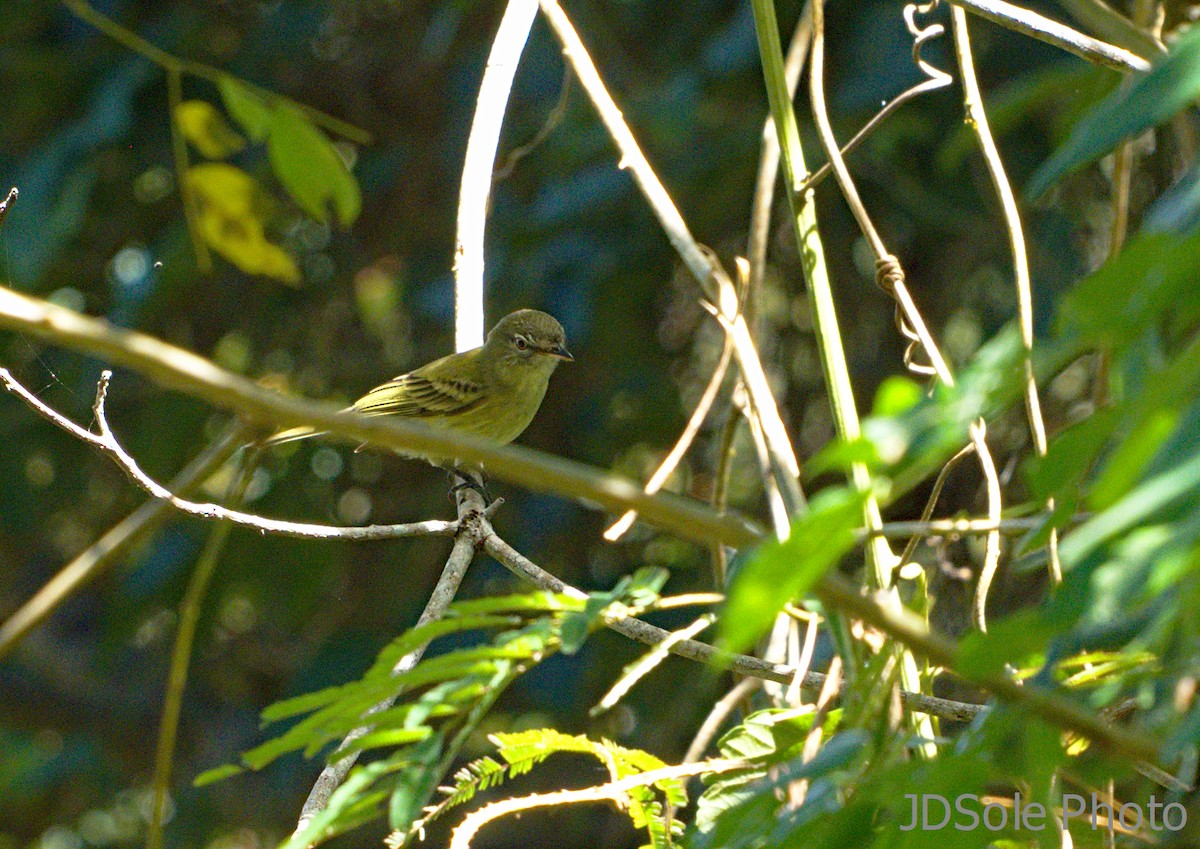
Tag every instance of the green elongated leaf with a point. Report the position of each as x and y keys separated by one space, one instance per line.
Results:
x=781 y=571
x=220 y=773
x=1071 y=455
x=246 y=107
x=1019 y=640
x=1142 y=505
x=1169 y=87
x=1151 y=279
x=1129 y=460
x=525 y=603
x=305 y=703
x=309 y=167
x=379 y=738
x=415 y=638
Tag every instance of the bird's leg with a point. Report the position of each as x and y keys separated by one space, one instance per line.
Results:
x=469 y=479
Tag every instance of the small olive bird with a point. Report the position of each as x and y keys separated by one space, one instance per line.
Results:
x=492 y=391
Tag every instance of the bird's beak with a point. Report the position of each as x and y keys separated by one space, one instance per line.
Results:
x=561 y=352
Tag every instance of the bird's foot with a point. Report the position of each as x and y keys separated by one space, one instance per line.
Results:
x=468 y=481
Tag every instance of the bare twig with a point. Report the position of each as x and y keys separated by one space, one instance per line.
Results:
x=721 y=710
x=107 y=443
x=471 y=527
x=612 y=792
x=1052 y=32
x=644 y=632
x=700 y=261
x=977 y=119
x=7 y=203
x=682 y=444
x=190 y=607
x=1111 y=25
x=553 y=118
x=931 y=503
x=991 y=551
x=935 y=78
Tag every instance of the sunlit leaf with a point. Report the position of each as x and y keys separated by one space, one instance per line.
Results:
x=781 y=571
x=206 y=129
x=220 y=773
x=247 y=108
x=231 y=211
x=309 y=167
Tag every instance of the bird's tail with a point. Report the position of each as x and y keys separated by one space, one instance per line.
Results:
x=293 y=434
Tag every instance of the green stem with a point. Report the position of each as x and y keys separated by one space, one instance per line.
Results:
x=174 y=64
x=191 y=213
x=820 y=293
x=185 y=638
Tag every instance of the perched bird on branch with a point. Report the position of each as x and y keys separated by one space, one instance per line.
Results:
x=492 y=391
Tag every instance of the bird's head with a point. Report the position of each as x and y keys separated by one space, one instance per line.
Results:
x=529 y=338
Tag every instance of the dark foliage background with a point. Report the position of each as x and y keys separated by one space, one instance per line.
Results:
x=84 y=133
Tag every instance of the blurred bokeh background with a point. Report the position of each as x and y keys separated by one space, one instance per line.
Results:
x=85 y=133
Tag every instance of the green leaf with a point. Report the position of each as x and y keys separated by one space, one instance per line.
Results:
x=1172 y=85
x=220 y=773
x=1017 y=640
x=896 y=395
x=380 y=738
x=309 y=167
x=206 y=129
x=1180 y=484
x=1153 y=278
x=1071 y=455
x=781 y=571
x=415 y=784
x=246 y=107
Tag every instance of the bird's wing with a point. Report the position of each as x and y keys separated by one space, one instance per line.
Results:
x=445 y=387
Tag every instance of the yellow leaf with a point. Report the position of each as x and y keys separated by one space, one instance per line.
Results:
x=203 y=126
x=231 y=208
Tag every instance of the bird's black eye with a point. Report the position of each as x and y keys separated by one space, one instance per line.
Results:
x=521 y=342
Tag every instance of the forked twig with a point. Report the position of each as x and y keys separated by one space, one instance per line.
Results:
x=108 y=444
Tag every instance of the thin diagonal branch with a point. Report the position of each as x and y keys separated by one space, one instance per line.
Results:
x=977 y=119
x=185 y=371
x=103 y=552
x=1058 y=34
x=471 y=524
x=107 y=443
x=682 y=444
x=700 y=261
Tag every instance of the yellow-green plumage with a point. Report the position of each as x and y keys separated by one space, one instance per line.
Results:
x=492 y=391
